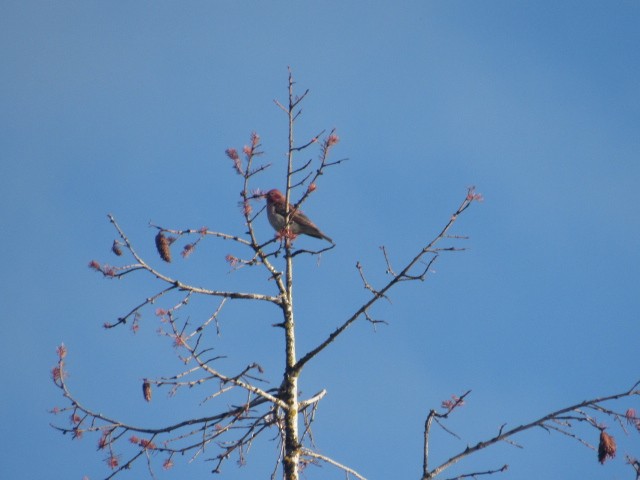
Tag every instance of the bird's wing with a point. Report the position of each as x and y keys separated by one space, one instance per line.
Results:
x=302 y=219
x=298 y=216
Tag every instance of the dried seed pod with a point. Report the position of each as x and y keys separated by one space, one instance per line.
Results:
x=162 y=245
x=607 y=447
x=115 y=248
x=146 y=390
x=187 y=249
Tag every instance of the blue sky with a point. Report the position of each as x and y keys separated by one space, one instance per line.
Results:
x=127 y=107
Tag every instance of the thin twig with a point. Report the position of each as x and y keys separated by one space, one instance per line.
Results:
x=330 y=461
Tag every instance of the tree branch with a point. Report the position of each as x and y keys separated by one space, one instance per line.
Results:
x=536 y=423
x=187 y=287
x=349 y=471
x=380 y=293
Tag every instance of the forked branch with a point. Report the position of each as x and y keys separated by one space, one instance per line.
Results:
x=404 y=275
x=543 y=422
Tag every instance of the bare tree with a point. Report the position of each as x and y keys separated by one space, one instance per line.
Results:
x=230 y=428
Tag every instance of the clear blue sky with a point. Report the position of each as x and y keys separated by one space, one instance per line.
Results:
x=127 y=107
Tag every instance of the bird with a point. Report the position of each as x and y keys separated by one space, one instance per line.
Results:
x=299 y=224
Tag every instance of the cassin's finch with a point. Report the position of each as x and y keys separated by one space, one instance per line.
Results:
x=300 y=223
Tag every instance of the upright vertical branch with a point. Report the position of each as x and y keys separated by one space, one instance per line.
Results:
x=292 y=443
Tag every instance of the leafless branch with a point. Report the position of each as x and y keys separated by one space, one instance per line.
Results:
x=186 y=287
x=377 y=294
x=542 y=422
x=312 y=252
x=635 y=464
x=330 y=461
x=136 y=309
x=315 y=399
x=477 y=474
x=310 y=142
x=204 y=231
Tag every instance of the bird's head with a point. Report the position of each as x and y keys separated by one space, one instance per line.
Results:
x=274 y=196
